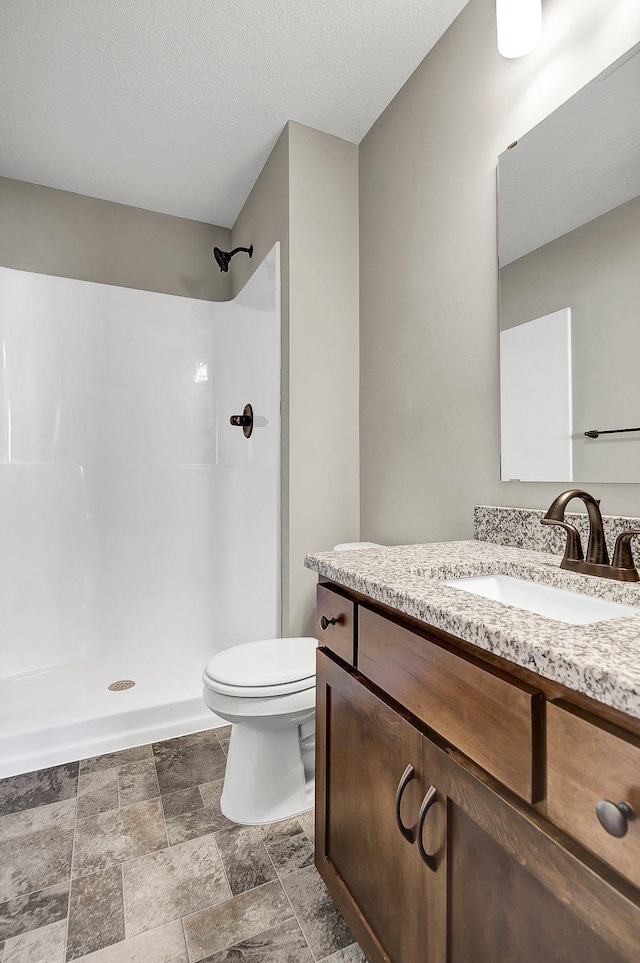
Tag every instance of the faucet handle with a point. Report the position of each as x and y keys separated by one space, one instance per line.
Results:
x=573 y=549
x=623 y=556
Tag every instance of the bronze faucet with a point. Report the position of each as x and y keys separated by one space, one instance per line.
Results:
x=597 y=561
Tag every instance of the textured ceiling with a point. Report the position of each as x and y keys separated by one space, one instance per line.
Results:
x=174 y=105
x=579 y=163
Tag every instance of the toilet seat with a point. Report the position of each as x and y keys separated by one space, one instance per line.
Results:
x=258 y=691
x=264 y=669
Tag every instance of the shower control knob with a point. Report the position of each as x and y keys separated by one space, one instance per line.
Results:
x=614 y=817
x=244 y=421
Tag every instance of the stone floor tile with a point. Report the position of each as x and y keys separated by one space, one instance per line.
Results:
x=99 y=780
x=111 y=759
x=308 y=823
x=96 y=912
x=183 y=801
x=351 y=954
x=162 y=945
x=33 y=911
x=323 y=926
x=39 y=788
x=31 y=863
x=45 y=945
x=211 y=793
x=208 y=819
x=224 y=735
x=130 y=889
x=245 y=858
x=291 y=853
x=58 y=815
x=172 y=883
x=137 y=781
x=236 y=919
x=272 y=832
x=283 y=943
x=112 y=837
x=100 y=801
x=199 y=823
x=188 y=761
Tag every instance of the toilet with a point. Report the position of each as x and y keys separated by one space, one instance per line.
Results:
x=266 y=690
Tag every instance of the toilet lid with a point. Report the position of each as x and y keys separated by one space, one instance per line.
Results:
x=266 y=663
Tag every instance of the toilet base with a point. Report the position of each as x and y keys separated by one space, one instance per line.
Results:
x=265 y=777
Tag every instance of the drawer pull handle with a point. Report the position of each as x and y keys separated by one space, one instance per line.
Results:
x=325 y=622
x=405 y=779
x=427 y=803
x=614 y=817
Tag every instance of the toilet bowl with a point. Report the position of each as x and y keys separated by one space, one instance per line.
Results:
x=266 y=690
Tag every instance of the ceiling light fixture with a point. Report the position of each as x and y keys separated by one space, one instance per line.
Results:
x=519 y=26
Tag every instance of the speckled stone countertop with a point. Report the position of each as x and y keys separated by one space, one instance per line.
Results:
x=601 y=660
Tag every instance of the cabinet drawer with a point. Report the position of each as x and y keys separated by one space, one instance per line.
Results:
x=588 y=761
x=339 y=636
x=492 y=720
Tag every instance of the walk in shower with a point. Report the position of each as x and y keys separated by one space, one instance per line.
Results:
x=139 y=529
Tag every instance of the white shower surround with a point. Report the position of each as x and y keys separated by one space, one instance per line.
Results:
x=139 y=531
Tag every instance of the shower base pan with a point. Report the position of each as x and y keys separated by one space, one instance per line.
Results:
x=68 y=712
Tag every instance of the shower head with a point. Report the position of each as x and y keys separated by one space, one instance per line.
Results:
x=223 y=257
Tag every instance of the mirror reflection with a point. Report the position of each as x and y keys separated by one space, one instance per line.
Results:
x=569 y=259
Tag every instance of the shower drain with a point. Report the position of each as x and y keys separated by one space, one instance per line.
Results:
x=121 y=684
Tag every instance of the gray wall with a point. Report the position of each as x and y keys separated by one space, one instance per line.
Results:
x=307 y=198
x=428 y=269
x=56 y=232
x=324 y=475
x=263 y=220
x=595 y=271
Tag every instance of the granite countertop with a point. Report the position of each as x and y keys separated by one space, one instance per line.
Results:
x=601 y=660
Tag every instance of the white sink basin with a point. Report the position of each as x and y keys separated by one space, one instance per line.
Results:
x=554 y=603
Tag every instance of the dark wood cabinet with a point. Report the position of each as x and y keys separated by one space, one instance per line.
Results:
x=493 y=719
x=511 y=891
x=336 y=623
x=454 y=868
x=589 y=761
x=364 y=748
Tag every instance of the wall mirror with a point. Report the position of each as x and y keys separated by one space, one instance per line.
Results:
x=569 y=268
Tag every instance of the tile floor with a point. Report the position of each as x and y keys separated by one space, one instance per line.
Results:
x=127 y=858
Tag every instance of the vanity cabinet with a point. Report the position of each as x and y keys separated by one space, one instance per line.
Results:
x=363 y=748
x=336 y=623
x=511 y=891
x=432 y=857
x=494 y=720
x=589 y=764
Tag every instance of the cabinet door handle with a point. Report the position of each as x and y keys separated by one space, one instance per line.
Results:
x=325 y=622
x=427 y=803
x=405 y=779
x=614 y=817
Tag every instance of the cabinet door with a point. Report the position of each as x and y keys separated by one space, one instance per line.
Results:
x=507 y=886
x=365 y=835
